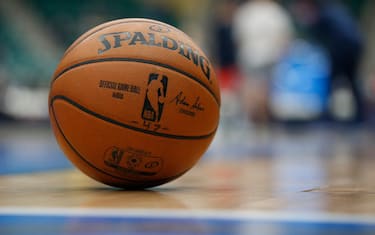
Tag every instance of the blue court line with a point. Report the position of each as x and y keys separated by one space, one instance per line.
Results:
x=16 y=220
x=98 y=225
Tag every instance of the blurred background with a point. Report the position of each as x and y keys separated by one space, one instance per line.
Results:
x=277 y=61
x=297 y=65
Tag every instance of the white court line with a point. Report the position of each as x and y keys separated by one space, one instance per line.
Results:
x=239 y=215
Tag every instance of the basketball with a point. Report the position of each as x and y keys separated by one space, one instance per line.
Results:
x=134 y=103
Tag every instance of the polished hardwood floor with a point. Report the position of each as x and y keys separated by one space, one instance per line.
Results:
x=315 y=173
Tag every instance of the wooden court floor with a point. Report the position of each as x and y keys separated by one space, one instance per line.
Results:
x=314 y=180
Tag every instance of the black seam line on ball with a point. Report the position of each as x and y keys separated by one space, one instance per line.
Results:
x=107 y=119
x=102 y=171
x=138 y=60
x=125 y=21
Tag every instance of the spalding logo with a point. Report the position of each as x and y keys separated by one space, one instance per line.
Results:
x=119 y=39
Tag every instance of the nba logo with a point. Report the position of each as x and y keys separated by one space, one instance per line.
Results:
x=155 y=96
x=113 y=156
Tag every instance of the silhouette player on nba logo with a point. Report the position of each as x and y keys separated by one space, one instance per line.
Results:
x=155 y=97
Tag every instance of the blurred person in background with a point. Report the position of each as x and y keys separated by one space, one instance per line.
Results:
x=299 y=84
x=262 y=30
x=224 y=53
x=225 y=49
x=329 y=24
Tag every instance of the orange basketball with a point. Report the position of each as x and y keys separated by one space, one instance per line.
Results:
x=134 y=103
